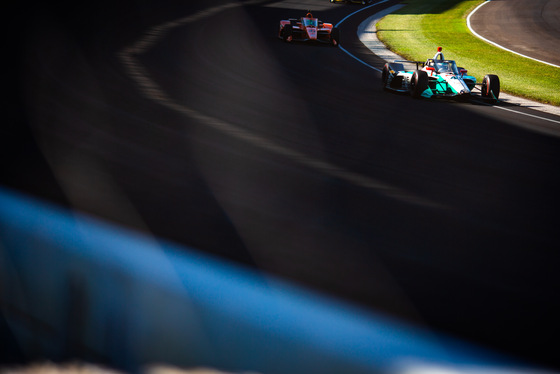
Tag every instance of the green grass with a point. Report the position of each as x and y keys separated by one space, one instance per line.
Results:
x=416 y=30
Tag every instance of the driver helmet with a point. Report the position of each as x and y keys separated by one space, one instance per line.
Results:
x=439 y=54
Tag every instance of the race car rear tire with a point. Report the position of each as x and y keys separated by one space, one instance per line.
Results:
x=418 y=83
x=490 y=87
x=287 y=33
x=385 y=75
x=335 y=37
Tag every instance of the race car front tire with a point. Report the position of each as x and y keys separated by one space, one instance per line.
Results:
x=490 y=87
x=335 y=36
x=418 y=83
x=385 y=75
x=287 y=33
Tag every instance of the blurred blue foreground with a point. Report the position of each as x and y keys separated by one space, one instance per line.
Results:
x=74 y=287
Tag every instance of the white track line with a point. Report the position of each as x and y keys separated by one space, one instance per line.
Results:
x=496 y=44
x=357 y=59
x=527 y=114
x=346 y=51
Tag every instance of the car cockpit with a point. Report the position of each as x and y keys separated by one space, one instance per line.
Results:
x=441 y=66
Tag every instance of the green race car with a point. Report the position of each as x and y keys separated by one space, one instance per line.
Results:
x=437 y=77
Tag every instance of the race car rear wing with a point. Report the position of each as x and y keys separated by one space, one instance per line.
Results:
x=419 y=64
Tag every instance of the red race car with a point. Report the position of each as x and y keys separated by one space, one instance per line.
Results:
x=308 y=28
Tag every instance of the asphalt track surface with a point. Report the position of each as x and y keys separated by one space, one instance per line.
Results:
x=531 y=28
x=290 y=158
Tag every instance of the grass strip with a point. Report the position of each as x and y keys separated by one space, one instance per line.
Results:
x=416 y=30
